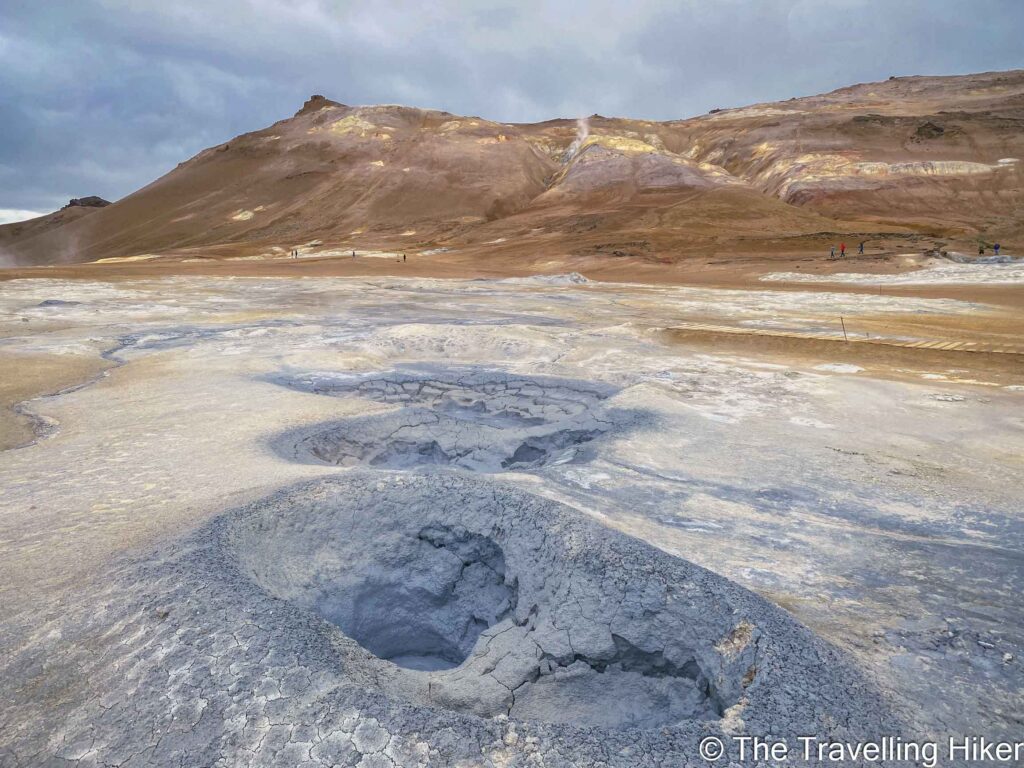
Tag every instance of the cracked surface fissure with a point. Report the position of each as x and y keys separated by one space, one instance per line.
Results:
x=484 y=421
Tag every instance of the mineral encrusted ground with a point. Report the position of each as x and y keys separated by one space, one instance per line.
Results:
x=485 y=421
x=515 y=630
x=821 y=485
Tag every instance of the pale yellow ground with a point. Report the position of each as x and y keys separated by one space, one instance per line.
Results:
x=29 y=376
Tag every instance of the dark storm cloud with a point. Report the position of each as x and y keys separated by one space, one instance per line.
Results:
x=102 y=97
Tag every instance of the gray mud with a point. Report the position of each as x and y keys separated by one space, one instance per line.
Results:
x=536 y=634
x=484 y=421
x=444 y=614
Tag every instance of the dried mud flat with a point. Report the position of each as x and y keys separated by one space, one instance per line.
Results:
x=498 y=522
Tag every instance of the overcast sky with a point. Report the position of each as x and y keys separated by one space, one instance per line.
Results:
x=103 y=96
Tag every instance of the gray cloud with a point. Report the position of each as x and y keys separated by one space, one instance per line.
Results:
x=103 y=96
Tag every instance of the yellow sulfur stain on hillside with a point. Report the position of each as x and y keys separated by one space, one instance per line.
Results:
x=925 y=168
x=123 y=259
x=355 y=125
x=620 y=144
x=245 y=215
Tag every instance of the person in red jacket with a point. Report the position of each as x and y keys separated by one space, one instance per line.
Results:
x=842 y=250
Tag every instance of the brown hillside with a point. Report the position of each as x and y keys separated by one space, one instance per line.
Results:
x=929 y=156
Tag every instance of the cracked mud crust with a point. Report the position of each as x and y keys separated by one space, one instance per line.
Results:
x=485 y=421
x=249 y=643
x=822 y=489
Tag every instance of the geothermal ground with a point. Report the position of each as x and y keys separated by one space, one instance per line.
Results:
x=387 y=521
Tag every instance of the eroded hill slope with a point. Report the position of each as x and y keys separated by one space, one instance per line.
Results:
x=931 y=156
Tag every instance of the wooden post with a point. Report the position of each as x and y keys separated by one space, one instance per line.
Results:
x=845 y=338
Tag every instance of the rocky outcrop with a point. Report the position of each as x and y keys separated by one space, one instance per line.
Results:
x=315 y=103
x=92 y=201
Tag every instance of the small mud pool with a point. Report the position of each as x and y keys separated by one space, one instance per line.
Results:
x=439 y=596
x=405 y=619
x=419 y=601
x=487 y=601
x=483 y=421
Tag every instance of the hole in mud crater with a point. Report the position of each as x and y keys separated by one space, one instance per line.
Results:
x=425 y=609
x=481 y=421
x=504 y=614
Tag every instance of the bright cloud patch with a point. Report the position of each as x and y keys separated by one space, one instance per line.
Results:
x=10 y=215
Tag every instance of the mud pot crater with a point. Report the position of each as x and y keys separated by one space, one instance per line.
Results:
x=470 y=596
x=483 y=421
x=406 y=619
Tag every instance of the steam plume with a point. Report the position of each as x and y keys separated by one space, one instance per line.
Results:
x=582 y=131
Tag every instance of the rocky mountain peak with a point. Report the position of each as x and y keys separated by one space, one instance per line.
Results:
x=92 y=201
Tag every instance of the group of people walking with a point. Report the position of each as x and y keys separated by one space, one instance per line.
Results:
x=860 y=250
x=842 y=250
x=294 y=253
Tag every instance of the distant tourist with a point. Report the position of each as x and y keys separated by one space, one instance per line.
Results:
x=832 y=253
x=995 y=247
x=981 y=249
x=842 y=250
x=403 y=255
x=860 y=248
